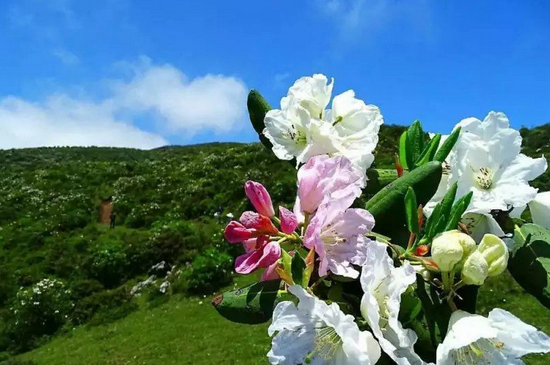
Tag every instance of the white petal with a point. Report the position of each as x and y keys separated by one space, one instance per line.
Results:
x=540 y=209
x=464 y=329
x=313 y=93
x=291 y=347
x=286 y=130
x=383 y=283
x=519 y=338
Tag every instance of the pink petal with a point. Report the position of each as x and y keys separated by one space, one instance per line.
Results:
x=289 y=222
x=260 y=198
x=271 y=272
x=249 y=262
x=235 y=232
x=260 y=223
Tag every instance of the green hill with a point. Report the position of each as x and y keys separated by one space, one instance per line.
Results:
x=54 y=213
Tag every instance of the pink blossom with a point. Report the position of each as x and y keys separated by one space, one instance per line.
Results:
x=235 y=232
x=324 y=179
x=338 y=236
x=271 y=272
x=289 y=221
x=260 y=198
x=259 y=223
x=260 y=253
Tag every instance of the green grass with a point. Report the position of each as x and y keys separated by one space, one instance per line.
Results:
x=183 y=331
x=189 y=331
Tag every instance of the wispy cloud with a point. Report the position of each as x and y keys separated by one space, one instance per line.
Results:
x=67 y=57
x=357 y=19
x=161 y=93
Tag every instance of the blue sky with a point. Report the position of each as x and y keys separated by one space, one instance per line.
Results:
x=144 y=73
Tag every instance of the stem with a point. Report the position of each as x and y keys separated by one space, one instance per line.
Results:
x=452 y=304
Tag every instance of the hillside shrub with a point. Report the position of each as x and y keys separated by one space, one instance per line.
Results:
x=208 y=272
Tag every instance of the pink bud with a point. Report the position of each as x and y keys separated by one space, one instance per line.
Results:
x=270 y=272
x=266 y=254
x=258 y=222
x=260 y=198
x=289 y=222
x=236 y=232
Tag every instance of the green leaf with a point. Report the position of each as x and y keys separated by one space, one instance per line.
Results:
x=298 y=268
x=404 y=157
x=448 y=200
x=257 y=109
x=253 y=304
x=411 y=210
x=378 y=178
x=436 y=312
x=415 y=142
x=530 y=266
x=447 y=146
x=458 y=210
x=429 y=152
x=388 y=205
x=432 y=221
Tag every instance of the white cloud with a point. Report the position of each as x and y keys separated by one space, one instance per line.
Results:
x=174 y=103
x=210 y=103
x=66 y=56
x=64 y=121
x=357 y=18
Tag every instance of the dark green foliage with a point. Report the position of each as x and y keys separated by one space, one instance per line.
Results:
x=208 y=272
x=253 y=304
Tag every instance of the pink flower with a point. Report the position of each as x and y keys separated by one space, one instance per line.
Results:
x=289 y=222
x=235 y=232
x=259 y=223
x=260 y=198
x=260 y=253
x=338 y=236
x=325 y=178
x=271 y=272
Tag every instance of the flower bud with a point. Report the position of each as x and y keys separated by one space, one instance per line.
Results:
x=475 y=269
x=447 y=251
x=258 y=222
x=288 y=219
x=260 y=198
x=495 y=252
x=236 y=232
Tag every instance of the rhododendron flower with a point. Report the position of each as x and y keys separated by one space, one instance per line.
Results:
x=383 y=285
x=316 y=333
x=235 y=232
x=488 y=162
x=294 y=134
x=289 y=221
x=260 y=253
x=325 y=178
x=338 y=236
x=260 y=198
x=499 y=339
x=302 y=128
x=259 y=223
x=270 y=272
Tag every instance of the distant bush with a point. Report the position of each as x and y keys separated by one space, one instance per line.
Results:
x=104 y=307
x=208 y=272
x=107 y=263
x=37 y=311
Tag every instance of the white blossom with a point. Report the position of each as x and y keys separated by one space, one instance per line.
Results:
x=303 y=128
x=383 y=285
x=316 y=333
x=499 y=339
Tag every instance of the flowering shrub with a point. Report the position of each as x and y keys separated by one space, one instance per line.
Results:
x=208 y=272
x=38 y=310
x=345 y=285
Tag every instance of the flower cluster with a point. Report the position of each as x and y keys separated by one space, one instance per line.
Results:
x=304 y=128
x=407 y=292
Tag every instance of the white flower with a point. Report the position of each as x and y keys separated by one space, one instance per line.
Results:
x=486 y=160
x=540 y=209
x=318 y=334
x=500 y=339
x=383 y=285
x=302 y=128
x=489 y=163
x=294 y=133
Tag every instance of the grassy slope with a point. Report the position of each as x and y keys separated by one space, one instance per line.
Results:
x=189 y=331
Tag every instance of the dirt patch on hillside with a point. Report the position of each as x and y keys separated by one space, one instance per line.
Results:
x=105 y=210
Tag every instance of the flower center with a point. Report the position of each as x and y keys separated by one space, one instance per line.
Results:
x=327 y=344
x=484 y=178
x=297 y=135
x=481 y=352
